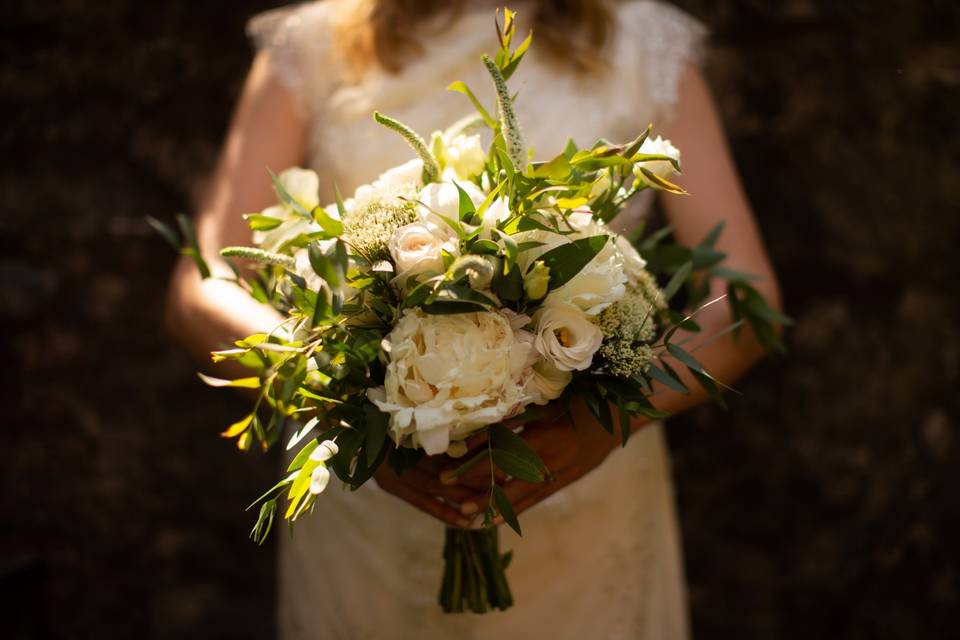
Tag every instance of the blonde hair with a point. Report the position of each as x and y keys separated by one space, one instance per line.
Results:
x=386 y=32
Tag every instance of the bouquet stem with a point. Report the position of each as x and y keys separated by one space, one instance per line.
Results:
x=474 y=575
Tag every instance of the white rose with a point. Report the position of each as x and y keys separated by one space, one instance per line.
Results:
x=443 y=198
x=566 y=337
x=547 y=382
x=598 y=285
x=449 y=375
x=465 y=155
x=415 y=250
x=633 y=263
x=661 y=147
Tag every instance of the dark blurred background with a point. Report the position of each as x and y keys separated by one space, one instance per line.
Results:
x=823 y=505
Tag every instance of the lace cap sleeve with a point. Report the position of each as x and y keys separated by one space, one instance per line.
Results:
x=296 y=39
x=666 y=38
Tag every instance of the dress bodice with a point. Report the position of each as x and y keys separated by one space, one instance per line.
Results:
x=638 y=85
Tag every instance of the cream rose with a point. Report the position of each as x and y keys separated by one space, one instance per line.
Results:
x=415 y=250
x=566 y=338
x=449 y=375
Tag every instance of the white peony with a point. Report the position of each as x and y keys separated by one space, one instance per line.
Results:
x=415 y=250
x=449 y=375
x=566 y=337
x=661 y=147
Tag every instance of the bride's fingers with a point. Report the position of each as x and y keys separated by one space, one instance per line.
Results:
x=518 y=492
x=478 y=475
x=429 y=483
x=424 y=502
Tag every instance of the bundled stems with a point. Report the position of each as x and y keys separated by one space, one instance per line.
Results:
x=474 y=577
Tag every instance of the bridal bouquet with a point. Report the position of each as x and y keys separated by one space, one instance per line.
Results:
x=452 y=295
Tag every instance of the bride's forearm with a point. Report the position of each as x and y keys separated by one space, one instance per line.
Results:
x=724 y=354
x=210 y=314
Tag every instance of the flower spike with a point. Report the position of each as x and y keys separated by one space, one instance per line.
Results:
x=431 y=169
x=508 y=117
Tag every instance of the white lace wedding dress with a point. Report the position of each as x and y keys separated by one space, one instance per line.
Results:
x=601 y=558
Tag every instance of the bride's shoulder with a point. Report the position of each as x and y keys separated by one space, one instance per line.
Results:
x=296 y=38
x=650 y=17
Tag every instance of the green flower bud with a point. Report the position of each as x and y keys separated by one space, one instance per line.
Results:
x=536 y=281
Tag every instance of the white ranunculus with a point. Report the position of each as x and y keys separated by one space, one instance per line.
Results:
x=443 y=198
x=633 y=263
x=547 y=382
x=497 y=212
x=449 y=375
x=661 y=147
x=415 y=250
x=319 y=479
x=566 y=337
x=598 y=285
x=303 y=185
x=465 y=155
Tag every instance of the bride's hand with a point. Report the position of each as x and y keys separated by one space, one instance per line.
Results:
x=570 y=446
x=420 y=487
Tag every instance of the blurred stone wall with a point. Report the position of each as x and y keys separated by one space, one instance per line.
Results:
x=824 y=504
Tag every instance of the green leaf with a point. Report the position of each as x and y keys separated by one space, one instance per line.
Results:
x=600 y=408
x=260 y=222
x=376 y=425
x=469 y=464
x=460 y=87
x=556 y=169
x=328 y=264
x=676 y=281
x=238 y=427
x=516 y=466
x=330 y=225
x=506 y=509
x=685 y=357
x=240 y=383
x=286 y=198
x=506 y=439
x=517 y=57
x=666 y=379
x=341 y=209
x=192 y=250
x=711 y=238
x=567 y=260
x=302 y=432
x=466 y=206
x=165 y=231
x=625 y=428
x=661 y=183
x=302 y=455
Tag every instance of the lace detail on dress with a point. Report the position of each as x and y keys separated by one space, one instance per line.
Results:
x=297 y=40
x=666 y=39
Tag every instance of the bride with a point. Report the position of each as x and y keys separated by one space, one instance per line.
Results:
x=601 y=558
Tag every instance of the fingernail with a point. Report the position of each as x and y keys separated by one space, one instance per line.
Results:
x=468 y=508
x=463 y=522
x=447 y=477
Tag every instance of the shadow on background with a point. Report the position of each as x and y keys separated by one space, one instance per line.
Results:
x=821 y=506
